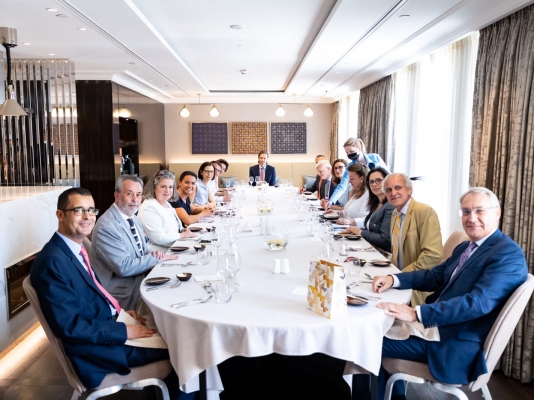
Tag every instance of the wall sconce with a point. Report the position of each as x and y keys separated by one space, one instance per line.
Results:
x=184 y=113
x=214 y=112
x=280 y=111
x=308 y=112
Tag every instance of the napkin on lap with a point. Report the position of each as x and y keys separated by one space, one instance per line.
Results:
x=401 y=330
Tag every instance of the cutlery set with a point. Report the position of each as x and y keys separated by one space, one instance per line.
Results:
x=187 y=303
x=165 y=286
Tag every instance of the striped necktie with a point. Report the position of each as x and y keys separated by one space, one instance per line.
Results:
x=112 y=300
x=463 y=258
x=135 y=235
x=395 y=237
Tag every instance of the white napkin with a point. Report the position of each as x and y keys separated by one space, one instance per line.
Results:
x=153 y=342
x=401 y=330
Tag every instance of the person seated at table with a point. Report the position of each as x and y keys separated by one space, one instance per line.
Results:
x=339 y=168
x=356 y=206
x=203 y=190
x=158 y=217
x=356 y=152
x=224 y=165
x=319 y=157
x=470 y=289
x=82 y=313
x=266 y=173
x=187 y=212
x=219 y=194
x=313 y=188
x=323 y=185
x=375 y=226
x=119 y=251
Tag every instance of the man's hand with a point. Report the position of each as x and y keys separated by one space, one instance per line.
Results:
x=351 y=229
x=137 y=317
x=382 y=283
x=401 y=312
x=161 y=256
x=168 y=257
x=139 y=331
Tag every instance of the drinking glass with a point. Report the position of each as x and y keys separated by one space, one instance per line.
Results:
x=230 y=236
x=257 y=180
x=234 y=258
x=203 y=257
x=227 y=185
x=354 y=268
x=216 y=240
x=250 y=180
x=223 y=290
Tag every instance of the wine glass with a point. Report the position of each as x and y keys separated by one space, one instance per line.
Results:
x=234 y=259
x=250 y=180
x=257 y=180
x=216 y=240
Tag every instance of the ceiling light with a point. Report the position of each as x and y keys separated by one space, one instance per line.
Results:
x=238 y=27
x=308 y=112
x=82 y=29
x=51 y=54
x=214 y=112
x=280 y=111
x=61 y=16
x=404 y=16
x=185 y=112
x=10 y=107
x=131 y=63
x=27 y=44
x=51 y=9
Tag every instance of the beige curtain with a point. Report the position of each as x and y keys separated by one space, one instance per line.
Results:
x=334 y=133
x=502 y=153
x=375 y=124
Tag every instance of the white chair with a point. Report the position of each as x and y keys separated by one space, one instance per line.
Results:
x=494 y=345
x=139 y=377
x=454 y=240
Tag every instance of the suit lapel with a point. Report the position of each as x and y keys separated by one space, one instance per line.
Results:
x=407 y=221
x=125 y=226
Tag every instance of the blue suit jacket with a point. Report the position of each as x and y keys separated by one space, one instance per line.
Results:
x=270 y=174
x=78 y=314
x=469 y=306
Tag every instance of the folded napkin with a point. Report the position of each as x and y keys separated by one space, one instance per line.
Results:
x=401 y=330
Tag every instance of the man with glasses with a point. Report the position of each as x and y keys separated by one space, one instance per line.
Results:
x=415 y=231
x=470 y=289
x=119 y=252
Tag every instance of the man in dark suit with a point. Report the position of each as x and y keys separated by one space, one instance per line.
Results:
x=81 y=313
x=323 y=184
x=470 y=289
x=266 y=172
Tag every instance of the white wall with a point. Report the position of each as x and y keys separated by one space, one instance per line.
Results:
x=178 y=129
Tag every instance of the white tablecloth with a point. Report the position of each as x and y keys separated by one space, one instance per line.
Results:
x=265 y=317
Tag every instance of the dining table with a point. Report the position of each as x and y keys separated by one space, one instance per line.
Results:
x=269 y=314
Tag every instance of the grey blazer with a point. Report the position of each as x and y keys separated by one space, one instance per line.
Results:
x=117 y=260
x=378 y=233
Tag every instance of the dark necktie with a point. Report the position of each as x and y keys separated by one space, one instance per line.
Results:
x=135 y=235
x=463 y=258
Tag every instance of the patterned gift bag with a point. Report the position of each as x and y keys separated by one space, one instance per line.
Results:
x=326 y=289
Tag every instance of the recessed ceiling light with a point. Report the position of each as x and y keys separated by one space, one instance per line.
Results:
x=404 y=16
x=51 y=54
x=27 y=44
x=131 y=63
x=82 y=29
x=61 y=16
x=51 y=9
x=240 y=45
x=237 y=26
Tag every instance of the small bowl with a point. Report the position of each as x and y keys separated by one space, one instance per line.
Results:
x=362 y=262
x=307 y=193
x=179 y=248
x=184 y=276
x=195 y=229
x=210 y=228
x=199 y=247
x=353 y=237
x=338 y=237
x=157 y=281
x=380 y=263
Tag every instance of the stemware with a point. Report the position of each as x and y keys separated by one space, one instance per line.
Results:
x=257 y=180
x=216 y=240
x=250 y=180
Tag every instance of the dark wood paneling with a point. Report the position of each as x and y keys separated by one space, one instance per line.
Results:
x=95 y=140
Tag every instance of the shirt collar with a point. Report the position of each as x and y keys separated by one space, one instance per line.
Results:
x=72 y=245
x=481 y=241
x=124 y=216
x=404 y=210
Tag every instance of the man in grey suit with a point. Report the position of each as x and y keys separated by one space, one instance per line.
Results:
x=119 y=252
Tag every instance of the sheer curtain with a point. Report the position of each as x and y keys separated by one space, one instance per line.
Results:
x=348 y=120
x=434 y=99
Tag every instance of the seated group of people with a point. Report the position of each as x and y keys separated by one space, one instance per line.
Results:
x=82 y=308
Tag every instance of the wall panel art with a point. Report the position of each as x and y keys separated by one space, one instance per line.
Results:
x=249 y=137
x=288 y=137
x=209 y=138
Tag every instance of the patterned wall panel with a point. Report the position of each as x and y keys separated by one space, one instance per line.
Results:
x=209 y=138
x=288 y=137
x=249 y=137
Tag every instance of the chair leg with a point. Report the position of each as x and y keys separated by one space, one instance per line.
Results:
x=75 y=395
x=102 y=392
x=397 y=377
x=152 y=382
x=485 y=392
x=450 y=389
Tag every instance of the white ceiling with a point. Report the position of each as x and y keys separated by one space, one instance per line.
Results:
x=173 y=50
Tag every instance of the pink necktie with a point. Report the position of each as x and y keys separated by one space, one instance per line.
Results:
x=110 y=298
x=262 y=174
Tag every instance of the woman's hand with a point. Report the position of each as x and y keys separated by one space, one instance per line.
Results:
x=186 y=233
x=345 y=221
x=352 y=229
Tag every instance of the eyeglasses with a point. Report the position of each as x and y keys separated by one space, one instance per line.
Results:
x=375 y=181
x=465 y=212
x=80 y=211
x=340 y=167
x=207 y=171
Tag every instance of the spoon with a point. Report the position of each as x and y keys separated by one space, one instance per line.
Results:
x=186 y=303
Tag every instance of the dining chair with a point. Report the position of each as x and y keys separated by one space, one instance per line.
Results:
x=494 y=345
x=454 y=240
x=139 y=377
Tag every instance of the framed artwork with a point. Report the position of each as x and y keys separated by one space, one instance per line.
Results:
x=249 y=137
x=209 y=138
x=288 y=138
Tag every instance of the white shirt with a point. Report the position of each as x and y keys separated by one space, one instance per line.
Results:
x=357 y=208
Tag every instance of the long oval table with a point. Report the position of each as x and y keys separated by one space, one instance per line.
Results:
x=269 y=314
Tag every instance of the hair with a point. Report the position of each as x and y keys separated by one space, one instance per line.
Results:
x=335 y=179
x=362 y=171
x=320 y=156
x=223 y=161
x=219 y=164
x=355 y=142
x=202 y=166
x=322 y=163
x=482 y=190
x=63 y=199
x=123 y=178
x=407 y=181
x=187 y=173
x=263 y=152
x=374 y=201
x=154 y=180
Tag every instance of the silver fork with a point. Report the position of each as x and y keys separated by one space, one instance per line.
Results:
x=187 y=303
x=207 y=286
x=162 y=287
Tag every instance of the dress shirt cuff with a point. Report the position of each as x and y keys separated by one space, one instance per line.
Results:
x=418 y=313
x=396 y=282
x=360 y=222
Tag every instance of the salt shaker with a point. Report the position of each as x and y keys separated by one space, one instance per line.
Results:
x=276 y=267
x=285 y=266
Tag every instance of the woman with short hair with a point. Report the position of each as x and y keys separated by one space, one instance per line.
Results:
x=188 y=212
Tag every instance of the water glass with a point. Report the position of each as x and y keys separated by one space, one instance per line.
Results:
x=250 y=180
x=223 y=290
x=354 y=268
x=203 y=257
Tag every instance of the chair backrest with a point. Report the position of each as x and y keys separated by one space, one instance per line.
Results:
x=503 y=328
x=454 y=240
x=55 y=343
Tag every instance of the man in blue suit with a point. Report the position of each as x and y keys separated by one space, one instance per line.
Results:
x=81 y=313
x=470 y=289
x=266 y=172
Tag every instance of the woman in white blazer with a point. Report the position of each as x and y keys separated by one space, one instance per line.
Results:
x=158 y=217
